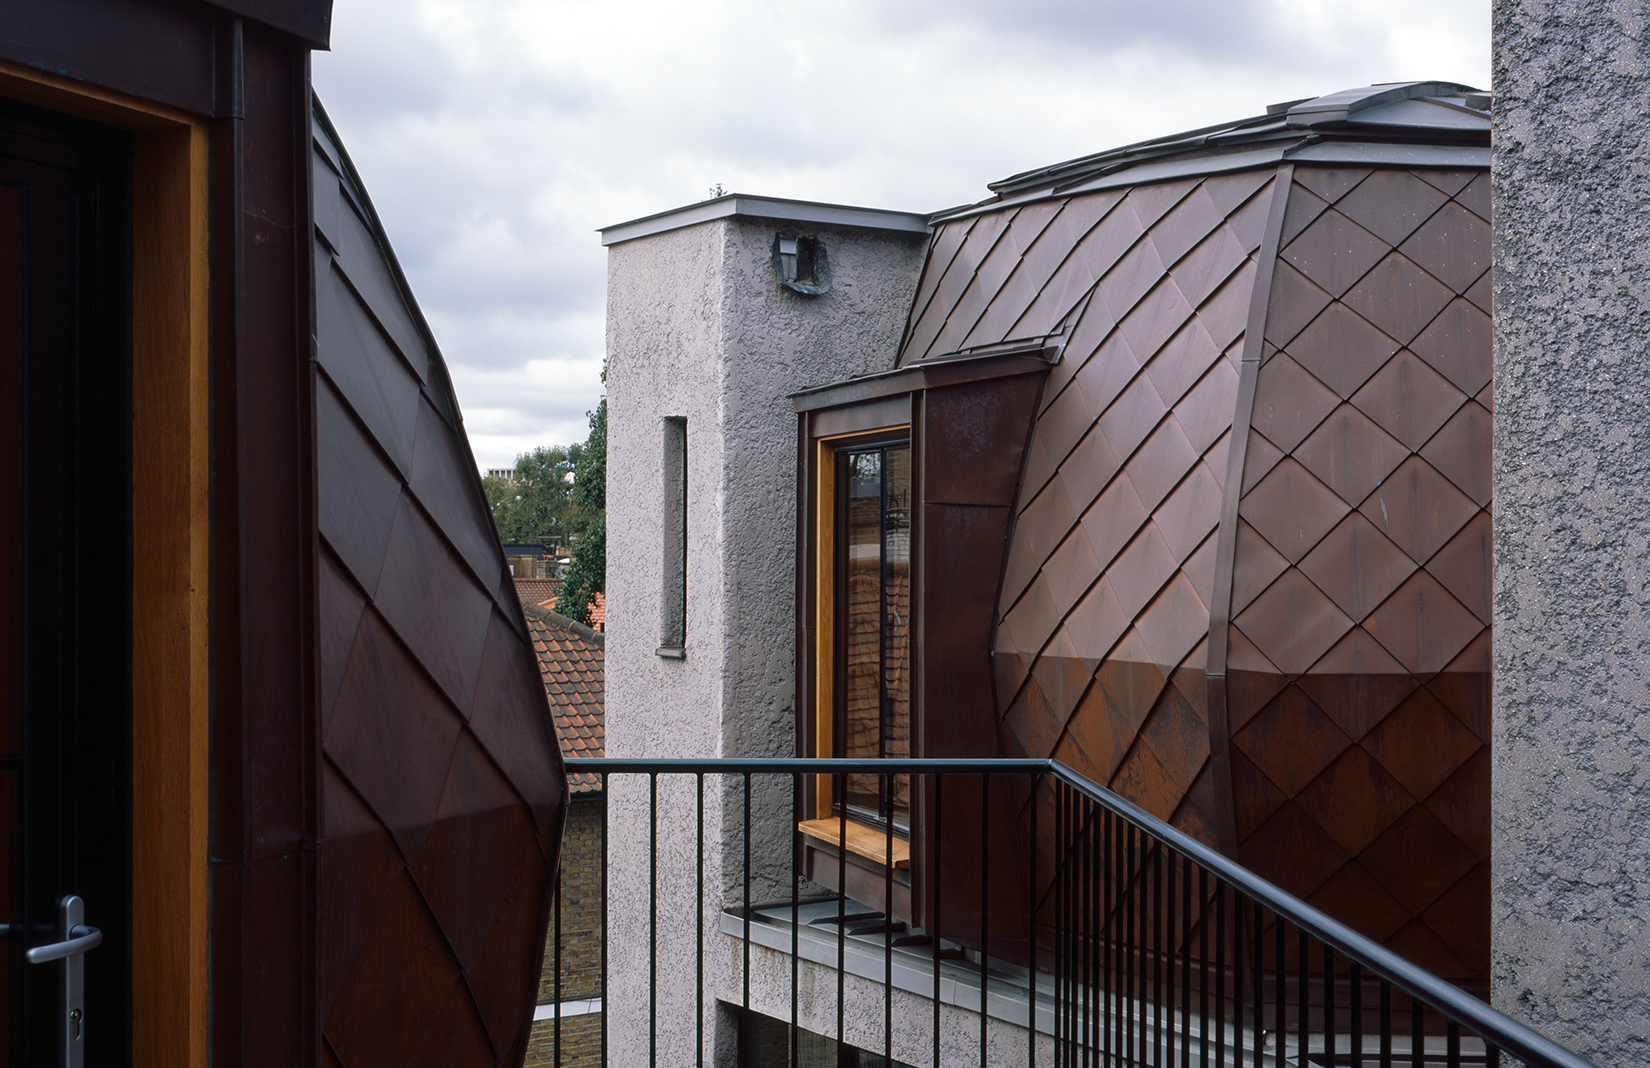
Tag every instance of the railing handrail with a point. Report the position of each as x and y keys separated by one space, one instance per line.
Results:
x=1454 y=1003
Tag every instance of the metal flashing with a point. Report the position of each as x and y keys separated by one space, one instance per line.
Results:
x=1394 y=109
x=1395 y=155
x=1341 y=106
x=924 y=375
x=777 y=208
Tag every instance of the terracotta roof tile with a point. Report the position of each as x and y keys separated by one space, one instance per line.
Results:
x=538 y=591
x=571 y=662
x=598 y=611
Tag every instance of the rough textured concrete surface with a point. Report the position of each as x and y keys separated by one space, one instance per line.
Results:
x=1571 y=891
x=699 y=327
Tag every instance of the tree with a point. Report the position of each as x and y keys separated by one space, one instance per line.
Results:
x=537 y=506
x=588 y=573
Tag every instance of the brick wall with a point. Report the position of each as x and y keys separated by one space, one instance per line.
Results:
x=580 y=902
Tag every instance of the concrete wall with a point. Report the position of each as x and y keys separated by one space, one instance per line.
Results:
x=699 y=327
x=1571 y=889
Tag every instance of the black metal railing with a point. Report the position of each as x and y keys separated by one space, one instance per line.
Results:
x=1076 y=921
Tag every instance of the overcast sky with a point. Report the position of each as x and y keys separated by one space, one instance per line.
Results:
x=495 y=136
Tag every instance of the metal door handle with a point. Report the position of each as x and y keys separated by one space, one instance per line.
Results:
x=84 y=938
x=76 y=939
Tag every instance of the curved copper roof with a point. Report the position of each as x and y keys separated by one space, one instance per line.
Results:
x=443 y=789
x=1248 y=580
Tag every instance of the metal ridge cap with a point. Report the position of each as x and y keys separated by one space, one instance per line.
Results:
x=781 y=208
x=1079 y=165
x=1340 y=106
x=1211 y=157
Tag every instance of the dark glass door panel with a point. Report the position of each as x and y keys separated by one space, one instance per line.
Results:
x=65 y=575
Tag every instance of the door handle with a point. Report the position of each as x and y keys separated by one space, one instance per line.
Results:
x=84 y=938
x=75 y=938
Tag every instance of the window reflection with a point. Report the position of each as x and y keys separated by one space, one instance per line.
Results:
x=874 y=711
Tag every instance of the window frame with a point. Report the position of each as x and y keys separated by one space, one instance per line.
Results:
x=822 y=711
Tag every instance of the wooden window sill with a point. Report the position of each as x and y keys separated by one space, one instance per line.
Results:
x=863 y=841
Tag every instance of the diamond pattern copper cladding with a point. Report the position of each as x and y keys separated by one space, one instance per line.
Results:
x=1370 y=748
x=443 y=790
x=1135 y=434
x=1357 y=663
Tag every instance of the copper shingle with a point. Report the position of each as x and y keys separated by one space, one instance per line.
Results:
x=570 y=661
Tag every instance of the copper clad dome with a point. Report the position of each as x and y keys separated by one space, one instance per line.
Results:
x=1248 y=580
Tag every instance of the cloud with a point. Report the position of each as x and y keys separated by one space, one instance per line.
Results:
x=495 y=136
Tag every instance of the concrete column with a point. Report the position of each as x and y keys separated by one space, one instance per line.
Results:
x=1571 y=833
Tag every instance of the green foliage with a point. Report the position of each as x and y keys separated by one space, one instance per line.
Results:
x=588 y=573
x=538 y=505
x=590 y=468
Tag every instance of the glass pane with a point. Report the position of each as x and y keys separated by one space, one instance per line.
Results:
x=862 y=608
x=896 y=624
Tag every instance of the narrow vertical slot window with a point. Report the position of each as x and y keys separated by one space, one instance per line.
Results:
x=673 y=602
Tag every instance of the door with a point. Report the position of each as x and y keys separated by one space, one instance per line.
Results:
x=65 y=574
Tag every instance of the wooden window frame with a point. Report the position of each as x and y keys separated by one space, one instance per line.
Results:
x=864 y=840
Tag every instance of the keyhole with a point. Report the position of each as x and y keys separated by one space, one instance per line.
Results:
x=74 y=1024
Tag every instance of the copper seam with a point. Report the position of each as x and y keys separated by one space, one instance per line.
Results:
x=1220 y=610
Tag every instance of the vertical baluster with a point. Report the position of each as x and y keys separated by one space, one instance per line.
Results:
x=1160 y=909
x=652 y=918
x=1093 y=943
x=1031 y=933
x=604 y=917
x=1220 y=972
x=561 y=886
x=1091 y=931
x=1386 y=1024
x=1185 y=962
x=934 y=908
x=841 y=912
x=1452 y=1045
x=1303 y=1026
x=1114 y=941
x=1280 y=1017
x=886 y=786
x=1417 y=1032
x=1060 y=874
x=1355 y=1012
x=1492 y=1056
x=1083 y=880
x=1131 y=946
x=1239 y=944
x=747 y=913
x=1203 y=965
x=699 y=916
x=797 y=800
x=1260 y=983
x=985 y=930
x=1329 y=1042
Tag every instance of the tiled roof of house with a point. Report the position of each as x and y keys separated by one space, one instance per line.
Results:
x=570 y=661
x=538 y=591
x=598 y=611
